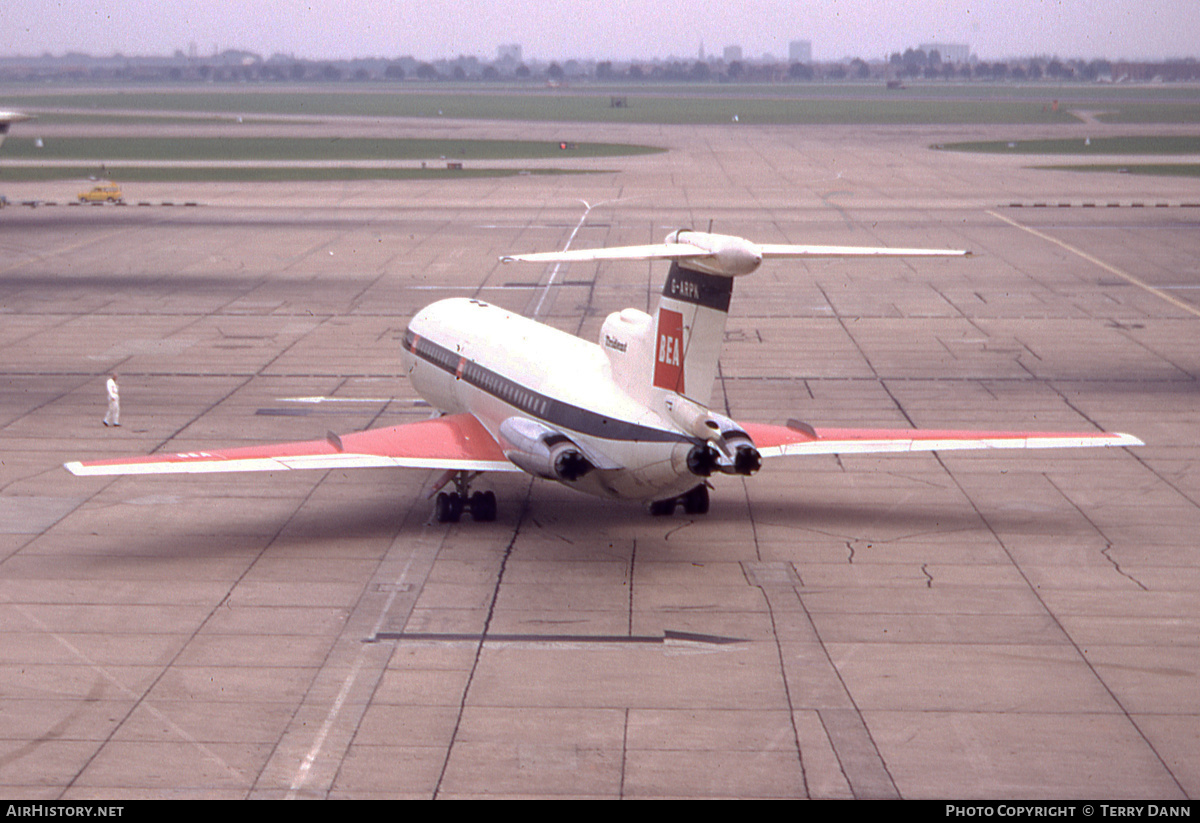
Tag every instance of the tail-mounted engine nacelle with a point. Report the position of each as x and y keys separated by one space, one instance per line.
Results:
x=733 y=453
x=543 y=451
x=726 y=448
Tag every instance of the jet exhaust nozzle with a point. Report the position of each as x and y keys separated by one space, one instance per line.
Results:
x=702 y=460
x=727 y=449
x=747 y=461
x=542 y=451
x=570 y=465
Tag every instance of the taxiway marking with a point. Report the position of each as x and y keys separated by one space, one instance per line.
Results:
x=139 y=700
x=310 y=758
x=1126 y=276
x=537 y=310
x=401 y=576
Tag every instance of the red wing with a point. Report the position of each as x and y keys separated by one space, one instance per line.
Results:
x=800 y=439
x=455 y=442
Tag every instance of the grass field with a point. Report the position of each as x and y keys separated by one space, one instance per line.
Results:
x=809 y=103
x=1154 y=169
x=1131 y=145
x=172 y=158
x=262 y=174
x=286 y=158
x=305 y=148
x=1151 y=112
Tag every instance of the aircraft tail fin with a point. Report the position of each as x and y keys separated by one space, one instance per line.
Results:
x=675 y=352
x=689 y=331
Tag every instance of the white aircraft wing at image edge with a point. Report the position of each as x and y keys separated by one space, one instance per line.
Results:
x=454 y=442
x=798 y=439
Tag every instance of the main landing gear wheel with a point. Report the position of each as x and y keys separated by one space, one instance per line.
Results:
x=696 y=501
x=663 y=508
x=449 y=506
x=693 y=502
x=483 y=506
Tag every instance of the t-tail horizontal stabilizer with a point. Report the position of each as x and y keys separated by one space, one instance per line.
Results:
x=721 y=254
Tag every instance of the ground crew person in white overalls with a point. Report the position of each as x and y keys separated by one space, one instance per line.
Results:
x=113 y=418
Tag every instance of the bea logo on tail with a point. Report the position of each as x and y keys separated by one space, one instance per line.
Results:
x=668 y=365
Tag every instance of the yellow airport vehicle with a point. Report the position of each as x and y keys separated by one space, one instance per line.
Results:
x=104 y=193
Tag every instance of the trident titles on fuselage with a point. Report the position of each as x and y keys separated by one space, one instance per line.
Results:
x=615 y=344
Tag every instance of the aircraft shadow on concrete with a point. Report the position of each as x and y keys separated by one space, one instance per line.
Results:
x=583 y=523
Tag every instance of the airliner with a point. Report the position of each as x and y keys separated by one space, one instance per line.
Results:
x=7 y=118
x=623 y=418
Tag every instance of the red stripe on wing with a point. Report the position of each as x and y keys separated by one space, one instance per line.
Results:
x=451 y=438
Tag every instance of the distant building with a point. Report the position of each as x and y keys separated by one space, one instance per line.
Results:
x=510 y=53
x=950 y=52
x=732 y=53
x=800 y=51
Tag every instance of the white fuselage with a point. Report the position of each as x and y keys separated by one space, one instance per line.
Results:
x=522 y=379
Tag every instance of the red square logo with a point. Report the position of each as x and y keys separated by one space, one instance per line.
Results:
x=668 y=360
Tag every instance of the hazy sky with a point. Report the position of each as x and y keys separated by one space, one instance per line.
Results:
x=602 y=29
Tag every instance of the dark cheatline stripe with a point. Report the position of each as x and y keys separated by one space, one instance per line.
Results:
x=555 y=412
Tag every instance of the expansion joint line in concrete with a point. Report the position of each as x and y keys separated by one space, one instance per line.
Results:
x=1095 y=261
x=1037 y=595
x=358 y=666
x=462 y=704
x=142 y=698
x=787 y=693
x=861 y=763
x=767 y=594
